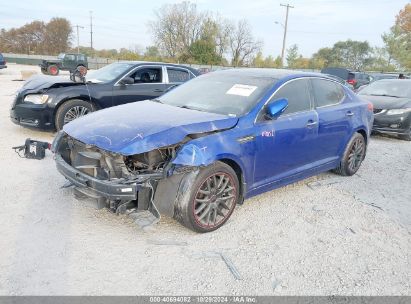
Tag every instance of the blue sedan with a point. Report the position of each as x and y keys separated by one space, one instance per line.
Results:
x=202 y=148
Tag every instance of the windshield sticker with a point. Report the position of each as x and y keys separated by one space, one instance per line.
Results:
x=241 y=90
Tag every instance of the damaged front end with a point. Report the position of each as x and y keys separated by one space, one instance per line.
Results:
x=124 y=184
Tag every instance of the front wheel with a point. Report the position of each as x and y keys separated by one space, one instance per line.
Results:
x=353 y=156
x=211 y=199
x=71 y=110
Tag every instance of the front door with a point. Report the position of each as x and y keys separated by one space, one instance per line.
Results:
x=148 y=84
x=285 y=145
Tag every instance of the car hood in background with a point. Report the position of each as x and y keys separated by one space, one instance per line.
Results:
x=387 y=102
x=39 y=82
x=144 y=126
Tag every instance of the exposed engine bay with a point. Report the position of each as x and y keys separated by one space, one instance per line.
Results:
x=123 y=184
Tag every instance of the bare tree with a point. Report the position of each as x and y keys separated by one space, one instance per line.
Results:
x=176 y=27
x=242 y=44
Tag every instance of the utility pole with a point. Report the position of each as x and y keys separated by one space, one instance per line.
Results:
x=285 y=30
x=91 y=30
x=78 y=37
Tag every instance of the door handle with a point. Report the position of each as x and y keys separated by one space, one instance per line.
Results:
x=311 y=123
x=349 y=113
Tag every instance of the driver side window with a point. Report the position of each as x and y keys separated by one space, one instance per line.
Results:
x=147 y=75
x=297 y=94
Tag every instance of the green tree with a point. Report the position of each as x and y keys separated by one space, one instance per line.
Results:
x=398 y=40
x=292 y=56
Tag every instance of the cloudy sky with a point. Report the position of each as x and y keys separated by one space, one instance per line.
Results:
x=312 y=23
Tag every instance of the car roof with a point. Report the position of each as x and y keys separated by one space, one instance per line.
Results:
x=137 y=63
x=270 y=73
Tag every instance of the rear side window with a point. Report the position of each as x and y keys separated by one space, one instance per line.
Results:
x=351 y=76
x=177 y=75
x=327 y=92
x=297 y=94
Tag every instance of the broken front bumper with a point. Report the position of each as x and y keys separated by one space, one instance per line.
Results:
x=95 y=188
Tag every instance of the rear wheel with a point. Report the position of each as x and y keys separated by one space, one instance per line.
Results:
x=53 y=70
x=71 y=110
x=211 y=199
x=353 y=156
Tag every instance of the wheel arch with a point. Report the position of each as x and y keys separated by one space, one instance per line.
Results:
x=83 y=98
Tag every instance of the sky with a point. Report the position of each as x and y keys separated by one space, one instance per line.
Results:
x=312 y=24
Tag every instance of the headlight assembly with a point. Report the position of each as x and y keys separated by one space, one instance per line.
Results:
x=36 y=98
x=398 y=111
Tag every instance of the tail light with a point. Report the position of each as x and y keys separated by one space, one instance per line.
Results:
x=370 y=107
x=352 y=81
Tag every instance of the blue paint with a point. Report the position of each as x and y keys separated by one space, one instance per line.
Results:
x=270 y=153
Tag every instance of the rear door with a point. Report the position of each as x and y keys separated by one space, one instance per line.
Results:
x=335 y=114
x=177 y=76
x=148 y=84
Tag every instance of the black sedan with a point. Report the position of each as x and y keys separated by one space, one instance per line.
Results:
x=392 y=106
x=48 y=102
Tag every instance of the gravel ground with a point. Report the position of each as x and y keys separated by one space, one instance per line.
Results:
x=324 y=235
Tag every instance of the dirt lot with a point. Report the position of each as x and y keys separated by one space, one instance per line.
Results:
x=325 y=235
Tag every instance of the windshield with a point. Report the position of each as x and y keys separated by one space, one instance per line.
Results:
x=109 y=72
x=220 y=93
x=396 y=88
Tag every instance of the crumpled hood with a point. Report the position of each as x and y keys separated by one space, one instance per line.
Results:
x=143 y=126
x=387 y=102
x=38 y=82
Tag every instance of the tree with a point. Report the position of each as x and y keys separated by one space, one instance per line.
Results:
x=398 y=40
x=242 y=43
x=176 y=27
x=353 y=54
x=292 y=55
x=37 y=37
x=57 y=36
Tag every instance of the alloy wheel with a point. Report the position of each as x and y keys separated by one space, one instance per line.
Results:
x=75 y=112
x=356 y=154
x=215 y=200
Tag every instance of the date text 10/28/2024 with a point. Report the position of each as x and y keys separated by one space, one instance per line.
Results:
x=203 y=299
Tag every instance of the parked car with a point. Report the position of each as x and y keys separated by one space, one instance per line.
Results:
x=2 y=62
x=342 y=81
x=356 y=79
x=392 y=106
x=200 y=149
x=50 y=102
x=64 y=62
x=380 y=76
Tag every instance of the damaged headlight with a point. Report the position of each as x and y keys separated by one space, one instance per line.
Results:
x=36 y=98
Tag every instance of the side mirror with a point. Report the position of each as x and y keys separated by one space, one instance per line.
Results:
x=127 y=80
x=276 y=108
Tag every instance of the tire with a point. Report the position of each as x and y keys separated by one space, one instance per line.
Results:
x=44 y=71
x=353 y=156
x=66 y=112
x=53 y=70
x=82 y=69
x=205 y=212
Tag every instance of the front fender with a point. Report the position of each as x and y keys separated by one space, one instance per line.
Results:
x=219 y=146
